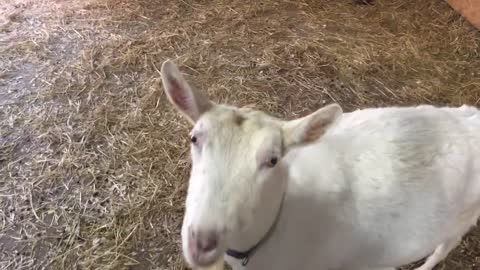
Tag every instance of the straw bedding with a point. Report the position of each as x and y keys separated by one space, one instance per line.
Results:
x=94 y=162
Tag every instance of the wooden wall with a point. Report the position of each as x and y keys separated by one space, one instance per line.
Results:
x=470 y=9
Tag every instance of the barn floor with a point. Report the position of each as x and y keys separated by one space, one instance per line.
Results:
x=93 y=162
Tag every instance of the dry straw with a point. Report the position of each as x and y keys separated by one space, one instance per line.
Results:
x=93 y=161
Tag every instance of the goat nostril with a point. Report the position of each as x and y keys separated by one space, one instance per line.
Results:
x=210 y=244
x=203 y=241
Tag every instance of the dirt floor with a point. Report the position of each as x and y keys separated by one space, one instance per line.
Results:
x=93 y=162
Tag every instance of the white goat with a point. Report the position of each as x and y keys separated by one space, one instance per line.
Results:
x=371 y=189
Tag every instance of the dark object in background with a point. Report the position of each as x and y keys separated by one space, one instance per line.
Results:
x=363 y=2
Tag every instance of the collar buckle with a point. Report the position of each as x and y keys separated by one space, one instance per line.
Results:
x=245 y=261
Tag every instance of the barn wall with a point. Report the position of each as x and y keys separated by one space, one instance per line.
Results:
x=470 y=9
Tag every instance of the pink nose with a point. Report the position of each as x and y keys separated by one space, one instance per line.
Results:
x=202 y=242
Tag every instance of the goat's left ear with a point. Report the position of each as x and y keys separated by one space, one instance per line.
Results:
x=310 y=128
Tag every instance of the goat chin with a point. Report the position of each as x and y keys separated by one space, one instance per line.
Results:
x=218 y=265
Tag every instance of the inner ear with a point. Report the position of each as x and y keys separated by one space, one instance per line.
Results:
x=310 y=128
x=190 y=102
x=181 y=98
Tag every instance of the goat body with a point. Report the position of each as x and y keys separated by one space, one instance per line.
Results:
x=382 y=188
x=372 y=189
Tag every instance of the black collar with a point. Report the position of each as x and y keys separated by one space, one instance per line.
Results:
x=246 y=255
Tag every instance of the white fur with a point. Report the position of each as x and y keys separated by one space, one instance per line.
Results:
x=379 y=189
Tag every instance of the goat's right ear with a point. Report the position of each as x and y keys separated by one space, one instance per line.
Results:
x=189 y=102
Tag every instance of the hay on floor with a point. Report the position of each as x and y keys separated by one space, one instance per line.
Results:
x=94 y=162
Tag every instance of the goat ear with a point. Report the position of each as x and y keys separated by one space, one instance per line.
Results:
x=191 y=103
x=310 y=128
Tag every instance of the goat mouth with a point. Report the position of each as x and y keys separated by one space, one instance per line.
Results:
x=204 y=261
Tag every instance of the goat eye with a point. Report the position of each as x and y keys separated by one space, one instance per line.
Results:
x=193 y=139
x=273 y=161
